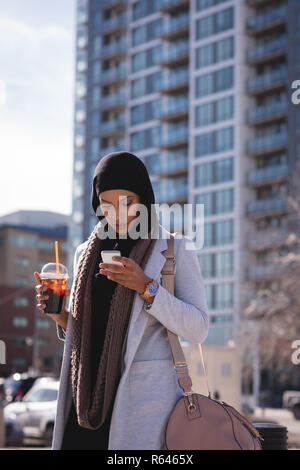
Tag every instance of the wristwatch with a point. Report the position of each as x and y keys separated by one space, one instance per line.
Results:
x=150 y=291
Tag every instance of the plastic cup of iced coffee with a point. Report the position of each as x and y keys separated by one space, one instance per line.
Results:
x=55 y=281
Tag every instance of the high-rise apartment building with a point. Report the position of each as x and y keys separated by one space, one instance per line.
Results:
x=200 y=91
x=26 y=245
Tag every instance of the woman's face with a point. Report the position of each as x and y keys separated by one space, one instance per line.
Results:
x=115 y=205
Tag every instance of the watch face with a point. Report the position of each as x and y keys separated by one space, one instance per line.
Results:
x=152 y=289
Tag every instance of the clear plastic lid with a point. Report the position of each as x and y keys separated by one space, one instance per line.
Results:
x=49 y=271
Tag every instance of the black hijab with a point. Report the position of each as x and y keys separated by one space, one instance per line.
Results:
x=118 y=170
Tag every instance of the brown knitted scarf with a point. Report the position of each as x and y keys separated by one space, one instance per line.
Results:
x=92 y=406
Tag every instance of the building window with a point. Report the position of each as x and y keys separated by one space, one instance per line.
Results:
x=216 y=265
x=43 y=323
x=24 y=240
x=144 y=59
x=147 y=32
x=20 y=322
x=22 y=261
x=219 y=296
x=214 y=24
x=219 y=202
x=21 y=301
x=146 y=138
x=214 y=112
x=215 y=52
x=21 y=281
x=204 y=4
x=224 y=232
x=224 y=264
x=217 y=141
x=214 y=82
x=144 y=8
x=219 y=171
x=19 y=362
x=224 y=296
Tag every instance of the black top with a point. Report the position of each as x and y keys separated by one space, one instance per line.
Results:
x=75 y=436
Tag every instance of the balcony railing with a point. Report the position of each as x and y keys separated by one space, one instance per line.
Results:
x=267 y=19
x=265 y=206
x=177 y=24
x=269 y=48
x=113 y=3
x=115 y=22
x=175 y=136
x=267 y=271
x=269 y=238
x=176 y=80
x=113 y=74
x=117 y=47
x=267 y=111
x=113 y=101
x=112 y=126
x=174 y=107
x=267 y=143
x=172 y=193
x=176 y=52
x=267 y=80
x=170 y=5
x=270 y=173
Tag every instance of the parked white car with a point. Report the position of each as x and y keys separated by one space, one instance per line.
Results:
x=35 y=414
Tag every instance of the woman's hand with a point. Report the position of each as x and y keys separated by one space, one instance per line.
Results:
x=129 y=275
x=60 y=318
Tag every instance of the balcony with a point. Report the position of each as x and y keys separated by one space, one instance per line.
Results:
x=270 y=174
x=266 y=271
x=267 y=113
x=112 y=128
x=265 y=145
x=178 y=27
x=172 y=193
x=175 y=138
x=175 y=110
x=113 y=76
x=173 y=6
x=269 y=51
x=266 y=21
x=267 y=82
x=176 y=82
x=266 y=239
x=115 y=50
x=114 y=4
x=177 y=55
x=173 y=167
x=258 y=3
x=113 y=102
x=116 y=24
x=266 y=207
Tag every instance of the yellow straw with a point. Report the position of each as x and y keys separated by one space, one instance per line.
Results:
x=57 y=259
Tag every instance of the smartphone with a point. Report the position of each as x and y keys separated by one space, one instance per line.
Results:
x=108 y=254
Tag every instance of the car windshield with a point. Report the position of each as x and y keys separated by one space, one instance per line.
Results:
x=41 y=394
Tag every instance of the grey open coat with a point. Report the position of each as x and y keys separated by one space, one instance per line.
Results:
x=148 y=388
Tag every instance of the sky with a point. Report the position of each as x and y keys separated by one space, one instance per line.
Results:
x=37 y=63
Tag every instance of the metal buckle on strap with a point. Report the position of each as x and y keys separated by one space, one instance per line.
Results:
x=180 y=365
x=191 y=405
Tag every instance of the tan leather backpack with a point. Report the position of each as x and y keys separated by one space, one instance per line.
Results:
x=199 y=422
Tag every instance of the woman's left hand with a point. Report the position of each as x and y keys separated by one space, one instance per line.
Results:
x=129 y=275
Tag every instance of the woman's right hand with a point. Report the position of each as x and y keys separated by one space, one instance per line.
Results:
x=60 y=318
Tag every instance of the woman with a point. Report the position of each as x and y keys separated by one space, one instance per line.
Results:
x=118 y=385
